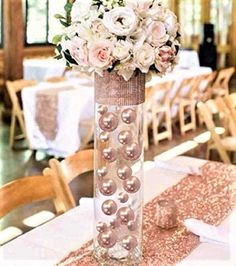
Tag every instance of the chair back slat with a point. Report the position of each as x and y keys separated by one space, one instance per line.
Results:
x=207 y=117
x=24 y=191
x=70 y=168
x=221 y=84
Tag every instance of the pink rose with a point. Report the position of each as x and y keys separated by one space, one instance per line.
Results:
x=100 y=54
x=164 y=58
x=157 y=33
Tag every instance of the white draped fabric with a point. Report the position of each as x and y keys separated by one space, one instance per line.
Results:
x=73 y=106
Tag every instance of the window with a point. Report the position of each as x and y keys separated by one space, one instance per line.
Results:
x=40 y=23
x=190 y=21
x=221 y=17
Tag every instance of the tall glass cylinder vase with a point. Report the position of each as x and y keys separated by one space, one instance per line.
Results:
x=118 y=173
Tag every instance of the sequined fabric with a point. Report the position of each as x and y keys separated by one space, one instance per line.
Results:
x=46 y=111
x=210 y=197
x=112 y=89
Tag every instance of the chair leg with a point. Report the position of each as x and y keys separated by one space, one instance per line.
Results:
x=208 y=151
x=22 y=125
x=169 y=124
x=155 y=132
x=12 y=130
x=181 y=119
x=193 y=116
x=145 y=136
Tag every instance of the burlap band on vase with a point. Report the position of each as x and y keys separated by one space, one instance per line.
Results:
x=112 y=89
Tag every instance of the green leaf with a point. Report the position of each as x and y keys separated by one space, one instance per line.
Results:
x=59 y=48
x=58 y=57
x=68 y=7
x=65 y=24
x=59 y=16
x=56 y=39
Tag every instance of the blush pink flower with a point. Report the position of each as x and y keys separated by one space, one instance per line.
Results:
x=156 y=33
x=100 y=54
x=164 y=58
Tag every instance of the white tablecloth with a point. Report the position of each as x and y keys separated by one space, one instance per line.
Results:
x=73 y=106
x=188 y=58
x=49 y=243
x=42 y=69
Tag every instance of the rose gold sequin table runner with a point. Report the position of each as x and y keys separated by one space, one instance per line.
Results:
x=210 y=197
x=46 y=111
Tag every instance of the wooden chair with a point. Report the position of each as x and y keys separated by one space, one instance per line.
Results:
x=70 y=168
x=221 y=85
x=185 y=103
x=161 y=114
x=157 y=113
x=14 y=87
x=222 y=145
x=204 y=87
x=230 y=101
x=31 y=189
x=229 y=117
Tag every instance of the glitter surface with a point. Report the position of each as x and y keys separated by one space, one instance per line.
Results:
x=210 y=197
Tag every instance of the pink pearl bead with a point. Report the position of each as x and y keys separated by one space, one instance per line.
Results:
x=108 y=187
x=124 y=172
x=128 y=116
x=125 y=214
x=101 y=172
x=101 y=227
x=132 y=225
x=104 y=136
x=131 y=152
x=123 y=197
x=129 y=242
x=132 y=184
x=114 y=223
x=109 y=207
x=102 y=109
x=109 y=154
x=107 y=239
x=125 y=137
x=108 y=122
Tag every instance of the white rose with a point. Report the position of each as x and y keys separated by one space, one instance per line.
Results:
x=139 y=5
x=122 y=50
x=144 y=57
x=121 y=21
x=126 y=70
x=157 y=11
x=78 y=50
x=170 y=21
x=138 y=38
x=80 y=9
x=157 y=33
x=71 y=30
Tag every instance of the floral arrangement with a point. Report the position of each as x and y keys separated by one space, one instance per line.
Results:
x=119 y=35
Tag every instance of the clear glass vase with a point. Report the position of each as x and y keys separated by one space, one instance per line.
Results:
x=118 y=173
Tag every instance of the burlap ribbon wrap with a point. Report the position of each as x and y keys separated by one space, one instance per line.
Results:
x=112 y=89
